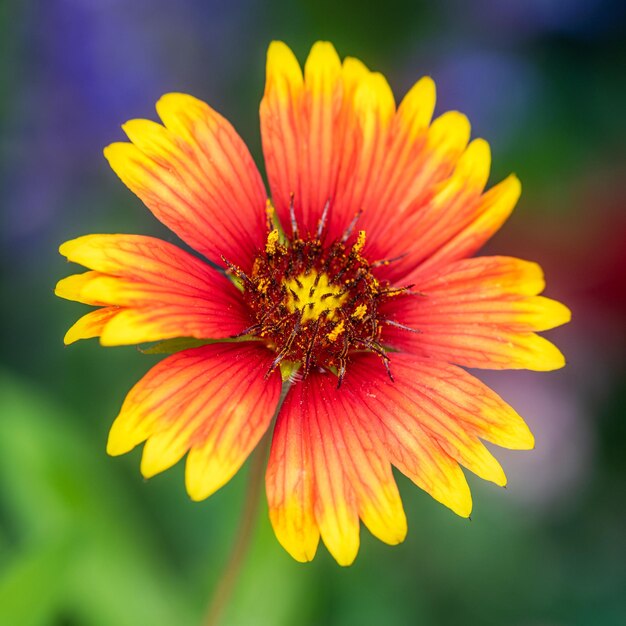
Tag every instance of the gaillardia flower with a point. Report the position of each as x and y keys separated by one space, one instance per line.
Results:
x=354 y=283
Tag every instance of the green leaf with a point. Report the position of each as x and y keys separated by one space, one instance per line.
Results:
x=169 y=346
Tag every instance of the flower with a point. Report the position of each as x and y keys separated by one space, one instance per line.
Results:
x=355 y=281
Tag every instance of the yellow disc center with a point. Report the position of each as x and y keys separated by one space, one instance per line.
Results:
x=313 y=296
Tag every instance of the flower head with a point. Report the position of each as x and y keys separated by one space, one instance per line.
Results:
x=356 y=281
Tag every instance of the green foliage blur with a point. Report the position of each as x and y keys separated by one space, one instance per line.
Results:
x=85 y=541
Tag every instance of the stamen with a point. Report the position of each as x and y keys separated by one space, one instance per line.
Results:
x=270 y=212
x=381 y=352
x=311 y=346
x=260 y=324
x=272 y=239
x=237 y=271
x=388 y=261
x=284 y=351
x=342 y=360
x=359 y=312
x=316 y=282
x=395 y=291
x=359 y=244
x=321 y=225
x=335 y=332
x=402 y=326
x=247 y=331
x=351 y=225
x=292 y=217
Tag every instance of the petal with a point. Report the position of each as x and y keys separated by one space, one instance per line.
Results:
x=411 y=447
x=212 y=401
x=480 y=312
x=324 y=499
x=493 y=210
x=364 y=457
x=142 y=325
x=335 y=507
x=197 y=177
x=160 y=291
x=430 y=222
x=476 y=408
x=76 y=288
x=418 y=159
x=290 y=484
x=432 y=417
x=334 y=136
x=298 y=119
x=90 y=325
x=406 y=167
x=367 y=116
x=323 y=133
x=337 y=468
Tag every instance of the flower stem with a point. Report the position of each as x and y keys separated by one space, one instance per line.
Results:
x=228 y=581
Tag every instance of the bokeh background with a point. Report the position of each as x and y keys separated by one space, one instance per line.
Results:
x=84 y=541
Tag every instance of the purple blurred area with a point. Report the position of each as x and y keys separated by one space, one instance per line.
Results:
x=89 y=67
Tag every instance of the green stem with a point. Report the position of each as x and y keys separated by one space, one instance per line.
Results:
x=228 y=581
x=247 y=523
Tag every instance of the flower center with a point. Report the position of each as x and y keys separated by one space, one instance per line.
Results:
x=315 y=304
x=312 y=295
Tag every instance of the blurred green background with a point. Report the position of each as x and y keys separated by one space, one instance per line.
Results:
x=84 y=541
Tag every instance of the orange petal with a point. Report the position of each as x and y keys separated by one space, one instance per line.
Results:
x=432 y=416
x=433 y=220
x=335 y=136
x=212 y=401
x=334 y=472
x=298 y=118
x=492 y=211
x=408 y=163
x=290 y=484
x=141 y=325
x=366 y=463
x=366 y=120
x=411 y=447
x=476 y=409
x=323 y=133
x=418 y=158
x=197 y=177
x=480 y=312
x=163 y=291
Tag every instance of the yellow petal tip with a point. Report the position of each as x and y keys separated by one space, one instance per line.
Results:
x=283 y=73
x=205 y=473
x=514 y=187
x=119 y=441
x=198 y=489
x=322 y=53
x=460 y=503
x=500 y=480
x=67 y=247
x=70 y=337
